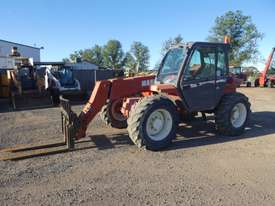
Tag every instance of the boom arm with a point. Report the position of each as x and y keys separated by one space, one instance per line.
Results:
x=108 y=90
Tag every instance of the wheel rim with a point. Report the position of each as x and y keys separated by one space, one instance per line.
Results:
x=159 y=124
x=115 y=110
x=238 y=115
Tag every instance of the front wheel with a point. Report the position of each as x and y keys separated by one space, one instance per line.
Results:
x=232 y=114
x=111 y=115
x=152 y=122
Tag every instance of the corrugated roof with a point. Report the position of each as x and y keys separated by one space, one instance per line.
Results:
x=18 y=44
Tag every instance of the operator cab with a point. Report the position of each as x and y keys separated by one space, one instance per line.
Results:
x=199 y=71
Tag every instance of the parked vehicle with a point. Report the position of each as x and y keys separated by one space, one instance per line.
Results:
x=192 y=78
x=61 y=81
x=267 y=76
x=27 y=88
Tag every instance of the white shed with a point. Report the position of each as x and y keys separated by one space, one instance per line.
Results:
x=24 y=50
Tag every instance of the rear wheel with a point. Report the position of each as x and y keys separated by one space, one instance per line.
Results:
x=270 y=84
x=256 y=83
x=232 y=114
x=152 y=122
x=111 y=115
x=55 y=97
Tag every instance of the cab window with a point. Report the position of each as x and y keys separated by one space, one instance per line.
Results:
x=201 y=65
x=221 y=65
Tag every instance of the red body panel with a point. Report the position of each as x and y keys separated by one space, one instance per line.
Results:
x=130 y=86
x=165 y=88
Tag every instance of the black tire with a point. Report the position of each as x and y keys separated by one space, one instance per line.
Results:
x=224 y=111
x=138 y=118
x=248 y=84
x=257 y=83
x=55 y=97
x=270 y=84
x=109 y=119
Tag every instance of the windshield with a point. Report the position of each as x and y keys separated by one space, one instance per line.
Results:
x=236 y=70
x=170 y=66
x=64 y=75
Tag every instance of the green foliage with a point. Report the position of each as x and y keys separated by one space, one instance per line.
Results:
x=243 y=33
x=141 y=55
x=93 y=55
x=113 y=55
x=170 y=43
x=75 y=55
x=97 y=55
x=130 y=62
x=66 y=60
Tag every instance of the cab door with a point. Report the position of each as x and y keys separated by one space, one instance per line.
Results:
x=222 y=70
x=198 y=82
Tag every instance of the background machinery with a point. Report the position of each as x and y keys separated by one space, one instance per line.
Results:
x=267 y=76
x=240 y=76
x=27 y=85
x=192 y=78
x=60 y=80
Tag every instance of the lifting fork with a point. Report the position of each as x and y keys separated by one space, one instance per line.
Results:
x=68 y=117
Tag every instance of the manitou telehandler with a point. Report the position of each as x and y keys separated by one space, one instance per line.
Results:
x=192 y=78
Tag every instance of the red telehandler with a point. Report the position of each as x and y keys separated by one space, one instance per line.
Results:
x=192 y=78
x=267 y=76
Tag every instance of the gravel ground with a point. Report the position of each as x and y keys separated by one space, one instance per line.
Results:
x=199 y=168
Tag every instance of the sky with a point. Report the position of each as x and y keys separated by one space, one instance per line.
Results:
x=64 y=26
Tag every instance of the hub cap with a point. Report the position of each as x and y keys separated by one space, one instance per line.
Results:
x=159 y=124
x=238 y=115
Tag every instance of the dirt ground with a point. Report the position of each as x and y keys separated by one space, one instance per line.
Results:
x=199 y=168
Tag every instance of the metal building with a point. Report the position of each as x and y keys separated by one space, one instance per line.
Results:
x=24 y=50
x=82 y=65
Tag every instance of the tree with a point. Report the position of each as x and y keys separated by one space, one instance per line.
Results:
x=171 y=42
x=243 y=33
x=141 y=56
x=66 y=60
x=93 y=55
x=97 y=55
x=113 y=55
x=130 y=62
x=75 y=55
